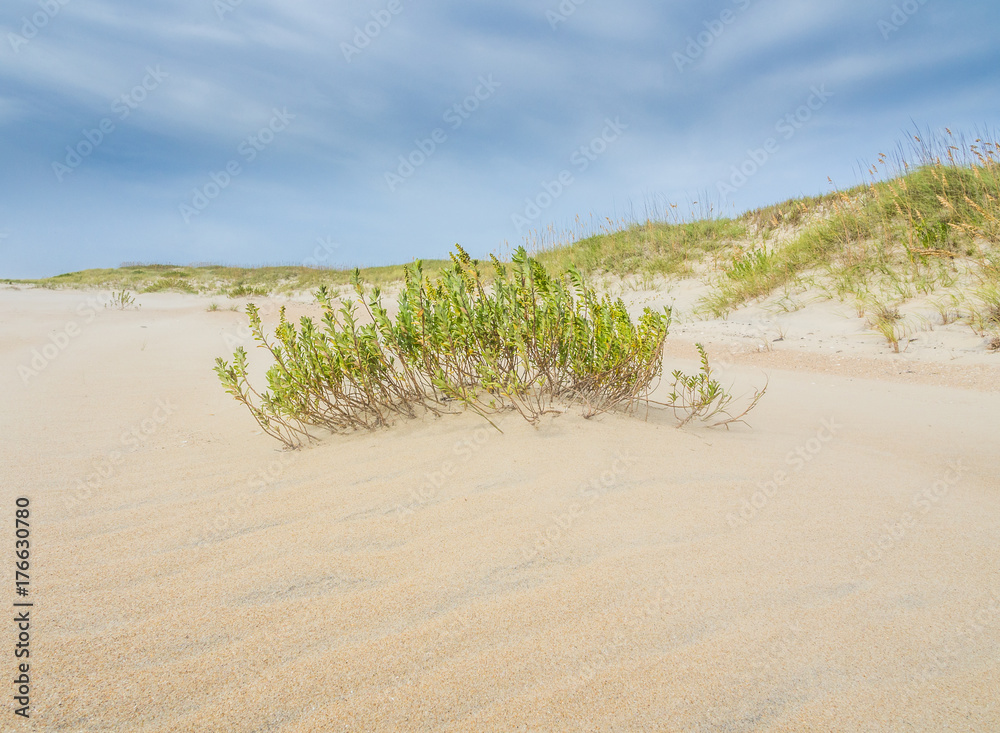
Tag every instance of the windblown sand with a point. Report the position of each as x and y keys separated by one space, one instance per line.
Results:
x=834 y=567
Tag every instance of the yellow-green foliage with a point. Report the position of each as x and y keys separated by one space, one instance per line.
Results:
x=522 y=342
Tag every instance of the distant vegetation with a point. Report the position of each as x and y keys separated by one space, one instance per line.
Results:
x=925 y=224
x=235 y=282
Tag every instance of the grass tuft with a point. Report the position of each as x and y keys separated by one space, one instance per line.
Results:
x=888 y=321
x=122 y=300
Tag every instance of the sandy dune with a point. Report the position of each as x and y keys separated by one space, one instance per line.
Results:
x=834 y=568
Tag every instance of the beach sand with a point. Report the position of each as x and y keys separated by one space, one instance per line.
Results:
x=832 y=567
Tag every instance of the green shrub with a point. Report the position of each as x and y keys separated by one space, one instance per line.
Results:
x=524 y=342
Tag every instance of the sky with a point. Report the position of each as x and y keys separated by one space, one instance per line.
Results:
x=253 y=132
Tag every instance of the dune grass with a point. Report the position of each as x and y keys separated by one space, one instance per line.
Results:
x=930 y=227
x=235 y=282
x=652 y=248
x=912 y=230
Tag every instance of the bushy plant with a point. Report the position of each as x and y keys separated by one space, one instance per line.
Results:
x=523 y=342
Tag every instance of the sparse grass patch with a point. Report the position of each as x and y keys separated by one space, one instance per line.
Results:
x=650 y=249
x=752 y=274
x=948 y=308
x=242 y=290
x=701 y=396
x=888 y=321
x=787 y=303
x=122 y=300
x=174 y=284
x=985 y=309
x=789 y=215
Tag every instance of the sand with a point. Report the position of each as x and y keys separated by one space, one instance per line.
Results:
x=832 y=567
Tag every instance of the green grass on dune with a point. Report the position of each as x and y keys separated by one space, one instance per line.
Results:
x=930 y=228
x=920 y=232
x=653 y=248
x=222 y=280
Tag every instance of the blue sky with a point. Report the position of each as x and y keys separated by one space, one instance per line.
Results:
x=360 y=133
